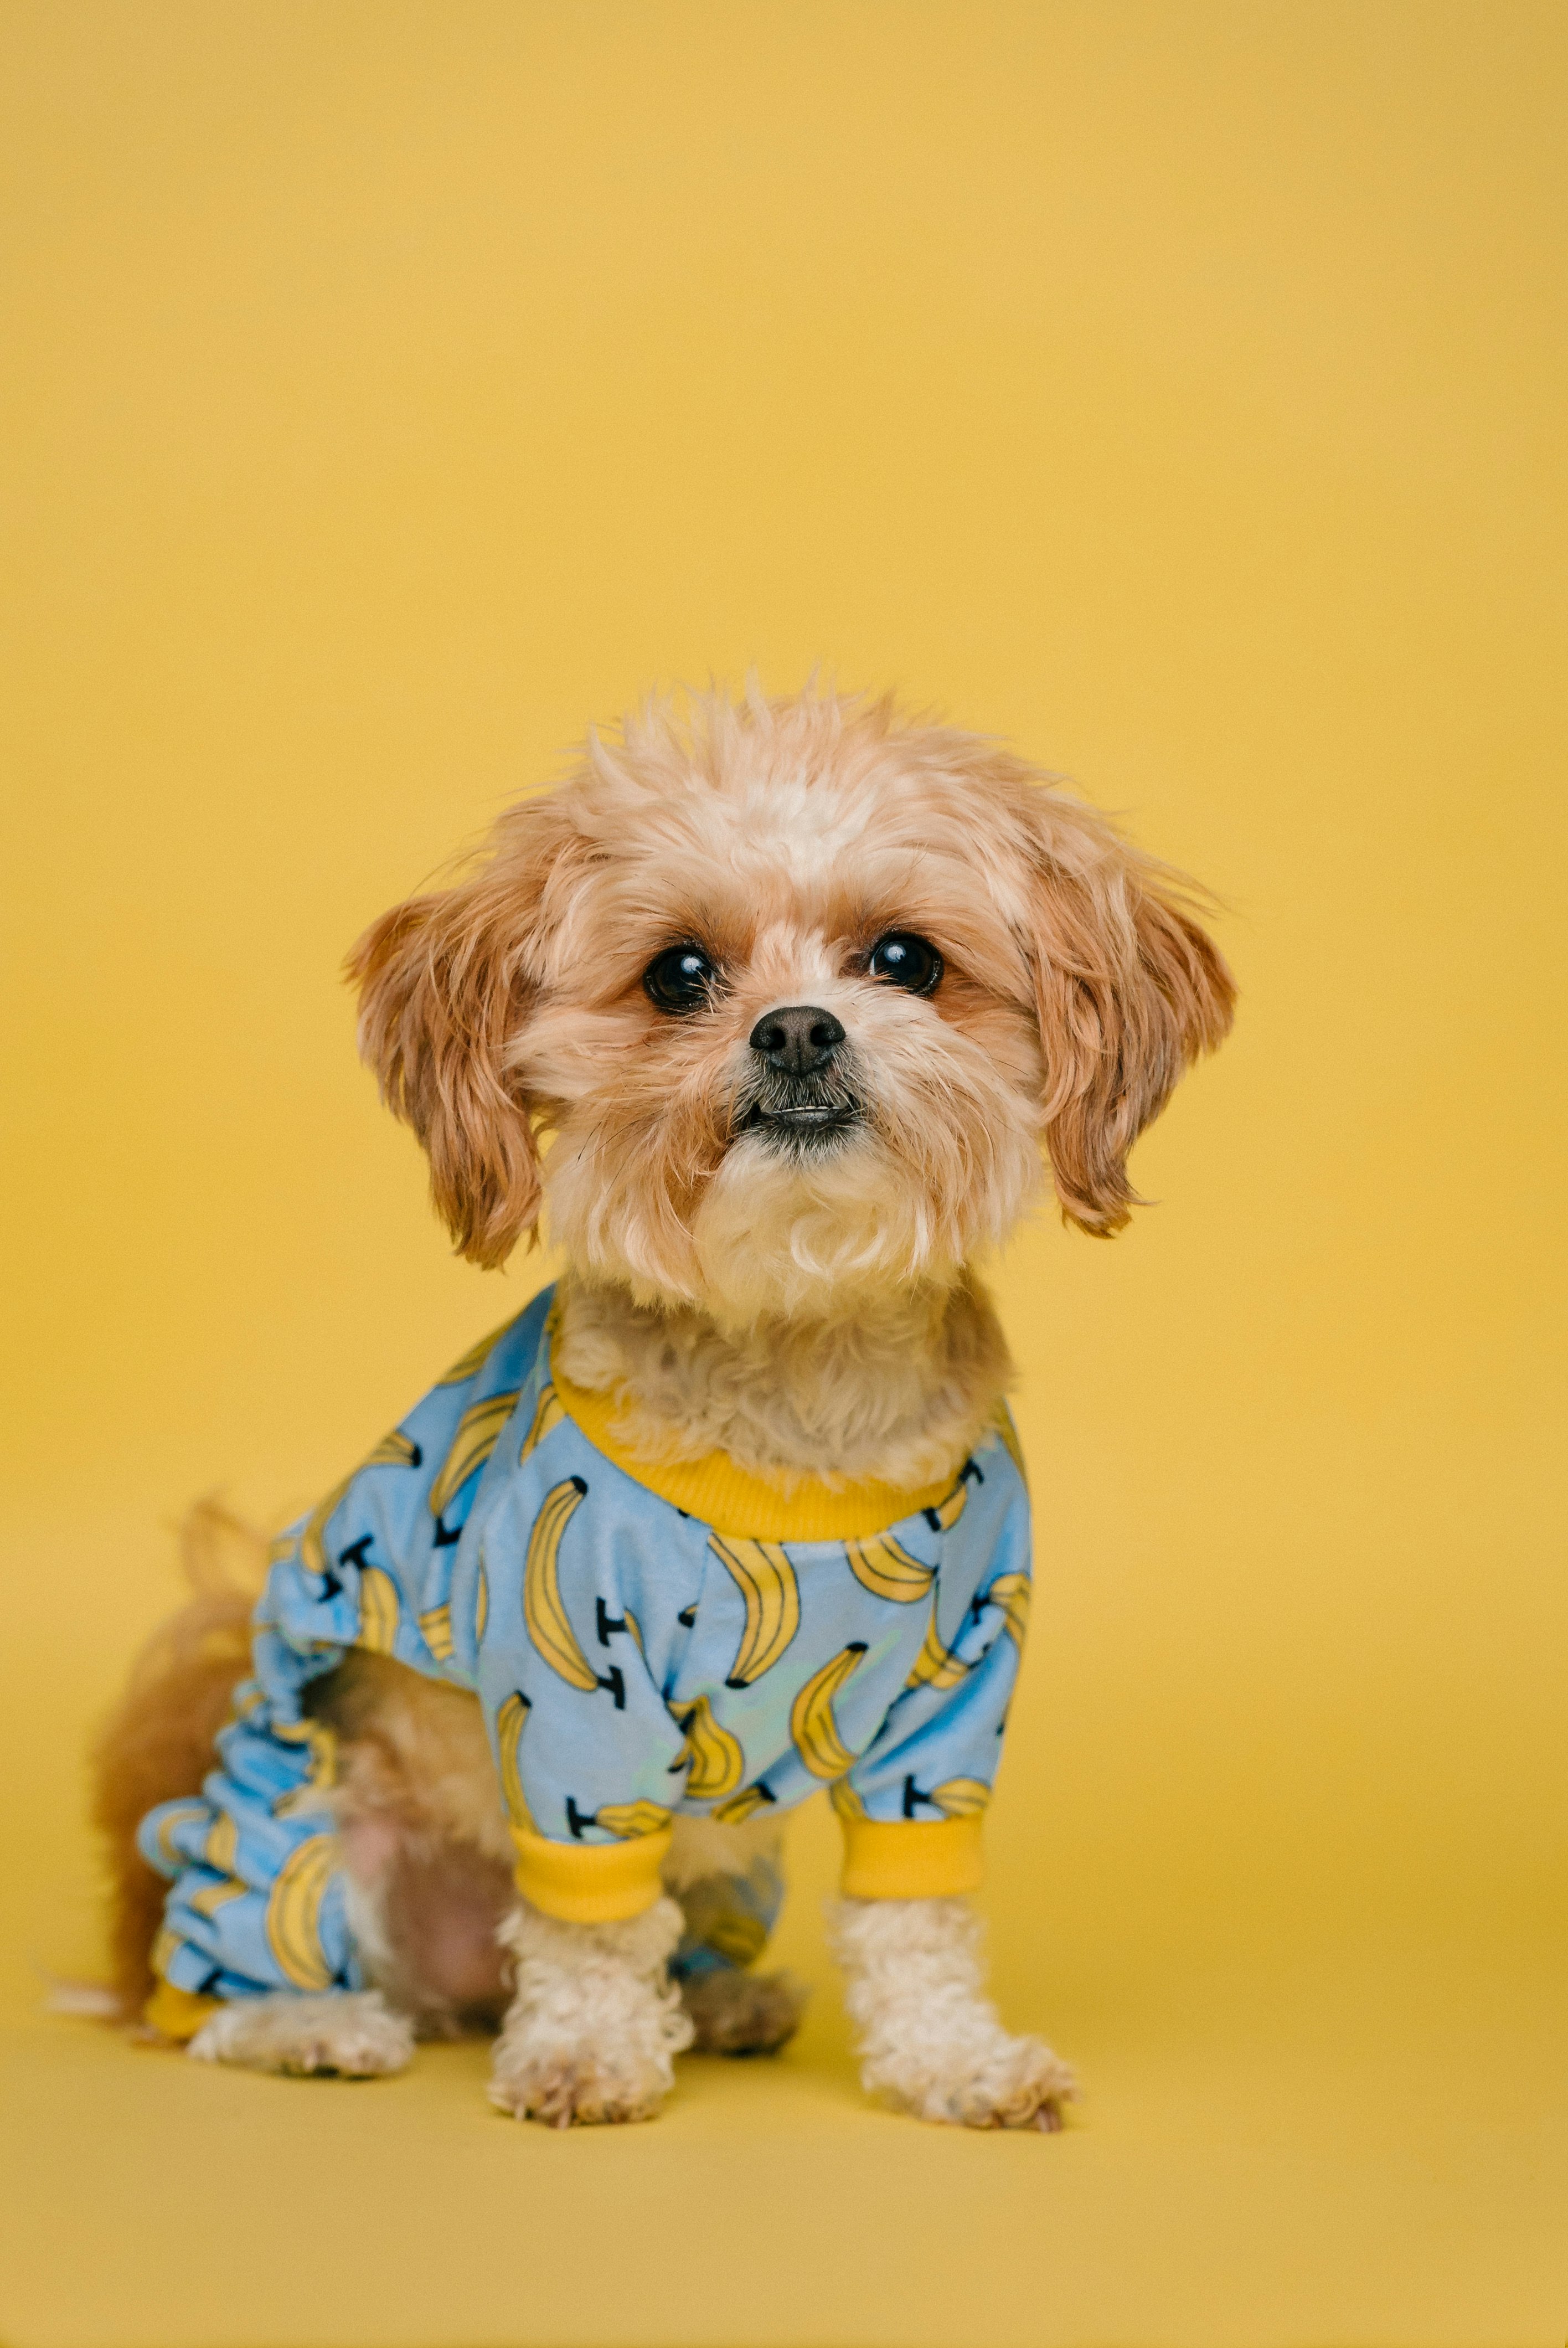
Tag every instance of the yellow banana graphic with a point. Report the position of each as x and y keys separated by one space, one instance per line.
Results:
x=222 y=1841
x=545 y=1615
x=161 y=1954
x=312 y=1552
x=767 y=1584
x=394 y=1450
x=436 y=1628
x=218 y=1853
x=946 y=1514
x=811 y=1720
x=936 y=1666
x=474 y=1359
x=510 y=1722
x=629 y=1819
x=377 y=1611
x=1001 y=1419
x=742 y=1806
x=844 y=1799
x=718 y=1763
x=294 y=1914
x=172 y=1859
x=213 y=1896
x=884 y=1567
x=734 y=1934
x=635 y=1627
x=961 y=1798
x=548 y=1413
x=323 y=1743
x=1010 y=1591
x=481 y=1606
x=478 y=1432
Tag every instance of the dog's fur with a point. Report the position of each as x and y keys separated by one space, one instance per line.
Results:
x=807 y=1304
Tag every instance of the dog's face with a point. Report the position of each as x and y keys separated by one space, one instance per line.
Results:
x=799 y=991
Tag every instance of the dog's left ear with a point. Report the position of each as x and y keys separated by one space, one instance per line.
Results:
x=1129 y=989
x=445 y=984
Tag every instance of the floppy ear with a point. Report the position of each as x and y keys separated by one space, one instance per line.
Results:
x=1128 y=991
x=445 y=984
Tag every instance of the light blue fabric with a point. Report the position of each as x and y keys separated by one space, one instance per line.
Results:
x=619 y=1655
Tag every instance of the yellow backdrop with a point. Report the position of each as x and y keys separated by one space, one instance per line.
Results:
x=1177 y=389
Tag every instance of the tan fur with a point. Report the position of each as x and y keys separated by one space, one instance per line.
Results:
x=703 y=1848
x=787 y=836
x=415 y=1750
x=742 y=2013
x=424 y=1838
x=813 y=1313
x=898 y=1391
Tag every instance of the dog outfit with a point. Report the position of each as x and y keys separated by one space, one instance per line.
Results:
x=644 y=1638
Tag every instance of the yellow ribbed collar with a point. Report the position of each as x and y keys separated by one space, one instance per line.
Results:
x=729 y=1499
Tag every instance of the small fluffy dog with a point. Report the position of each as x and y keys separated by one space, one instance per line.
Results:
x=770 y=1010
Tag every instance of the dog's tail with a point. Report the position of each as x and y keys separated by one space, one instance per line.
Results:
x=156 y=1744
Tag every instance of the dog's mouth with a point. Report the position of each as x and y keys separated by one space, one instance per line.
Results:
x=798 y=1117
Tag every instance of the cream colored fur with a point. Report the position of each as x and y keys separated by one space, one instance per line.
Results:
x=594 y=2026
x=348 y=2035
x=898 y=1391
x=928 y=2037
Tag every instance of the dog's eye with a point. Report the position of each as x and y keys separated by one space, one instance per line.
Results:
x=909 y=961
x=680 y=979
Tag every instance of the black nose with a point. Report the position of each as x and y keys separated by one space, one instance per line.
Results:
x=797 y=1040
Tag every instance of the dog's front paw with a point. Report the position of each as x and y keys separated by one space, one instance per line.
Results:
x=595 y=2026
x=1020 y=2083
x=991 y=2081
x=929 y=2039
x=583 y=2087
x=345 y=2035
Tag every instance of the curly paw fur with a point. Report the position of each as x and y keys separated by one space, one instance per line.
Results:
x=929 y=2039
x=345 y=2035
x=594 y=2026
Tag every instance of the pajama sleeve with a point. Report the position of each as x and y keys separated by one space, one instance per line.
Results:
x=911 y=1807
x=592 y=1763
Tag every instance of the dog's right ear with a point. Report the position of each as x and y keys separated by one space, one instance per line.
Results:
x=1129 y=989
x=444 y=983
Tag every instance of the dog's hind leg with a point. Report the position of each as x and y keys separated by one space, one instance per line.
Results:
x=735 y=2013
x=156 y=1744
x=340 y=2033
x=730 y=1886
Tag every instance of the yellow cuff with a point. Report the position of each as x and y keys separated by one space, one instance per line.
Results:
x=926 y=1858
x=178 y=2012
x=590 y=1882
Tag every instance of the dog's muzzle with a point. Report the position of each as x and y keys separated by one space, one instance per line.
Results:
x=799 y=1095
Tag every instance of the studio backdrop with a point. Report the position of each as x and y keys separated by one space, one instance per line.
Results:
x=394 y=390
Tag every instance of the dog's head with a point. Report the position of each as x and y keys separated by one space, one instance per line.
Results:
x=799 y=988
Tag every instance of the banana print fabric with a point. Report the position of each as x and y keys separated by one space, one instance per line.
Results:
x=631 y=1660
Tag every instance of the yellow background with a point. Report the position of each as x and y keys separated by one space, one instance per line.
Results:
x=391 y=391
